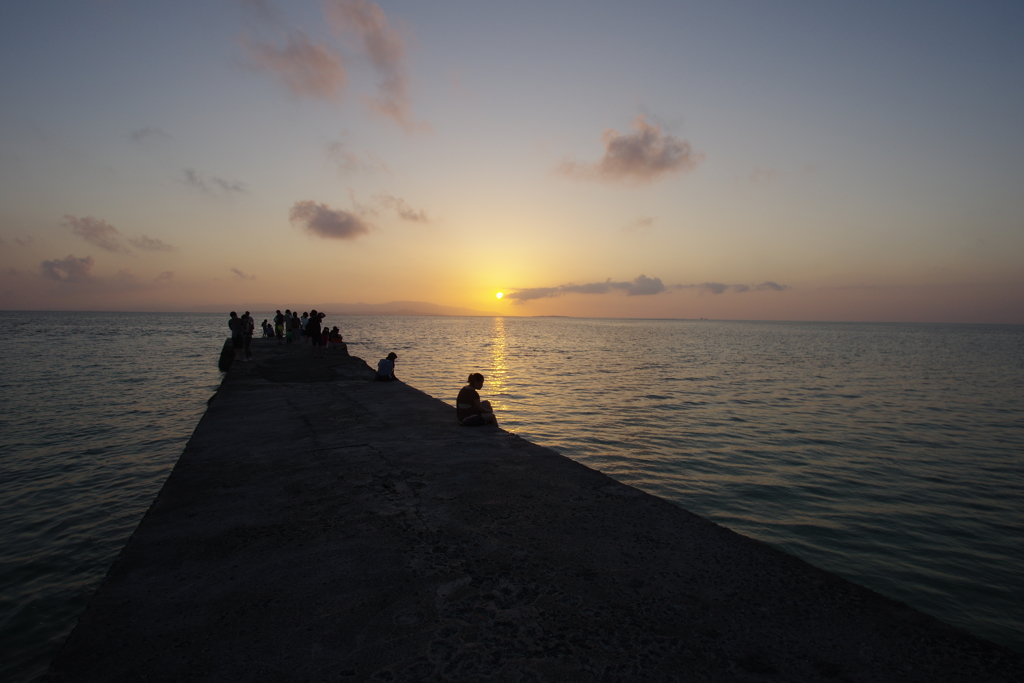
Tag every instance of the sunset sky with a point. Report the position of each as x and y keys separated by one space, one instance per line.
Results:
x=734 y=160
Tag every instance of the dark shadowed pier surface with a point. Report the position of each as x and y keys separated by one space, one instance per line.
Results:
x=323 y=527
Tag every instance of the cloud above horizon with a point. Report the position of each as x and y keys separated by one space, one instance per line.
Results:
x=348 y=162
x=404 y=211
x=214 y=185
x=149 y=243
x=323 y=221
x=306 y=68
x=385 y=48
x=148 y=133
x=641 y=286
x=70 y=269
x=643 y=156
x=105 y=236
x=97 y=232
x=720 y=288
x=640 y=225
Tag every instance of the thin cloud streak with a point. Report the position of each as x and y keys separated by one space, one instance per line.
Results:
x=148 y=133
x=721 y=288
x=323 y=221
x=640 y=225
x=404 y=211
x=241 y=275
x=96 y=232
x=641 y=286
x=348 y=162
x=643 y=156
x=150 y=244
x=215 y=185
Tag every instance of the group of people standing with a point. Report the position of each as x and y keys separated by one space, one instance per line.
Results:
x=241 y=335
x=289 y=327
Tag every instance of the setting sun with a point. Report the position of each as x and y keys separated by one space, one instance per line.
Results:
x=499 y=295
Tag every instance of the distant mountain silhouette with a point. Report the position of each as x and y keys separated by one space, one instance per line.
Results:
x=390 y=308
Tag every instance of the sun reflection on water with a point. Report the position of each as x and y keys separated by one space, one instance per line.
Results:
x=497 y=377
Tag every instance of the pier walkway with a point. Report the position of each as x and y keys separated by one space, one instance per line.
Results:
x=323 y=527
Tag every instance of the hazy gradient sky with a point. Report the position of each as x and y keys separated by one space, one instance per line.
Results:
x=755 y=160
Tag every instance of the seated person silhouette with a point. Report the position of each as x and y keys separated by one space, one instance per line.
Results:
x=469 y=409
x=386 y=368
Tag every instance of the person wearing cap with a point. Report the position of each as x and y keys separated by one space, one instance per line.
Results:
x=386 y=368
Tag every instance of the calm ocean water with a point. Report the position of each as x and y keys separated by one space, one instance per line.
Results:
x=890 y=454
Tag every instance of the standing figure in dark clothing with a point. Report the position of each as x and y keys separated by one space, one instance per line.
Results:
x=471 y=411
x=314 y=335
x=235 y=325
x=279 y=326
x=248 y=327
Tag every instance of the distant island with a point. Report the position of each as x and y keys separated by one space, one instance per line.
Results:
x=390 y=308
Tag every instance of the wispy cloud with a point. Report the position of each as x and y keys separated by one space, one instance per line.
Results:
x=404 y=211
x=148 y=134
x=306 y=68
x=97 y=232
x=106 y=236
x=261 y=9
x=24 y=241
x=763 y=175
x=645 y=155
x=213 y=184
x=70 y=269
x=385 y=48
x=640 y=225
x=721 y=288
x=348 y=162
x=74 y=274
x=323 y=221
x=241 y=275
x=641 y=286
x=149 y=243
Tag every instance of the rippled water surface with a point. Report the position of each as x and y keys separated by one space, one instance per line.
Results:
x=890 y=454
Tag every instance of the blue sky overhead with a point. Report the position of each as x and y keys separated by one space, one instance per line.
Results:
x=789 y=160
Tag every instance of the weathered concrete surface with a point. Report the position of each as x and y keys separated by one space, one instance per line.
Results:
x=323 y=527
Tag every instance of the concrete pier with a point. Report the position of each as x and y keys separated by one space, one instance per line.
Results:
x=323 y=527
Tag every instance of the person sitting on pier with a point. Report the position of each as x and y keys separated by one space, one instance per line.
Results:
x=337 y=341
x=386 y=368
x=469 y=409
